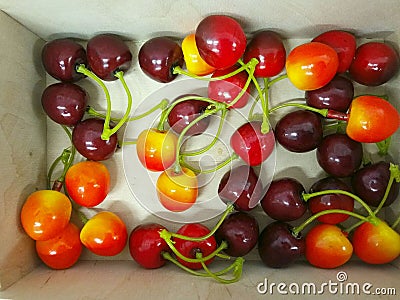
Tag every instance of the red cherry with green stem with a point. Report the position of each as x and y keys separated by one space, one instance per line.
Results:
x=267 y=47
x=185 y=112
x=226 y=90
x=60 y=57
x=146 y=247
x=252 y=146
x=108 y=54
x=283 y=200
x=242 y=187
x=86 y=137
x=65 y=103
x=330 y=201
x=343 y=42
x=278 y=246
x=158 y=57
x=220 y=40
x=374 y=63
x=371 y=181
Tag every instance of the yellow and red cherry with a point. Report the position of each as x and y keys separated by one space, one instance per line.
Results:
x=312 y=65
x=156 y=149
x=177 y=191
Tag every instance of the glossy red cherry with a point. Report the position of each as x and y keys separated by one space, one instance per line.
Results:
x=374 y=64
x=108 y=54
x=60 y=58
x=267 y=47
x=158 y=57
x=251 y=144
x=220 y=40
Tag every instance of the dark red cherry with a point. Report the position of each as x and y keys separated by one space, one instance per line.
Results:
x=220 y=40
x=158 y=57
x=87 y=140
x=251 y=144
x=240 y=230
x=283 y=200
x=240 y=186
x=344 y=44
x=227 y=89
x=60 y=58
x=336 y=95
x=331 y=201
x=339 y=155
x=267 y=47
x=370 y=183
x=65 y=103
x=299 y=131
x=185 y=112
x=108 y=54
x=278 y=247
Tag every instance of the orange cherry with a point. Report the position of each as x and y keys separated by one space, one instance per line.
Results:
x=62 y=251
x=104 y=234
x=45 y=214
x=194 y=63
x=312 y=65
x=177 y=191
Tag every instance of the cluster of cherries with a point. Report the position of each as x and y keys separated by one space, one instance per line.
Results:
x=324 y=68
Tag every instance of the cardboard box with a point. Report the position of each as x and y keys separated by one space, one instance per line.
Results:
x=30 y=142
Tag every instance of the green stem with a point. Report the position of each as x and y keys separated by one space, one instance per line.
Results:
x=162 y=105
x=237 y=272
x=215 y=139
x=218 y=167
x=396 y=223
x=383 y=146
x=165 y=234
x=355 y=197
x=323 y=112
x=296 y=230
x=276 y=79
x=107 y=132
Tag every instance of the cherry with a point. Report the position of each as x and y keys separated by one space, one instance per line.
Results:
x=226 y=90
x=343 y=42
x=240 y=230
x=336 y=95
x=158 y=57
x=156 y=149
x=370 y=182
x=62 y=251
x=87 y=140
x=299 y=131
x=108 y=54
x=104 y=234
x=267 y=47
x=251 y=144
x=376 y=243
x=60 y=57
x=220 y=40
x=312 y=65
x=283 y=201
x=65 y=103
x=147 y=247
x=330 y=201
x=191 y=249
x=185 y=112
x=327 y=247
x=339 y=155
x=240 y=186
x=374 y=64
x=278 y=247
